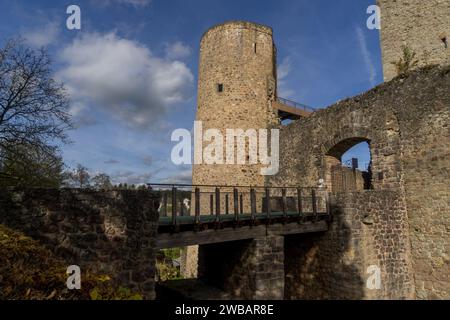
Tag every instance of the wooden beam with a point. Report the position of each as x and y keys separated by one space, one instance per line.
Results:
x=189 y=238
x=299 y=202
x=253 y=204
x=217 y=206
x=197 y=206
x=165 y=204
x=236 y=205
x=314 y=203
x=284 y=202
x=174 y=208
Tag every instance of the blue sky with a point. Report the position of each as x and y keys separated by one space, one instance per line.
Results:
x=132 y=68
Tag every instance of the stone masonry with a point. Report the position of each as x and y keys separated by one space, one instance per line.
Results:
x=369 y=228
x=241 y=57
x=110 y=233
x=407 y=124
x=251 y=269
x=421 y=25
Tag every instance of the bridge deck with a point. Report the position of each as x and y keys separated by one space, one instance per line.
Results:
x=190 y=220
x=276 y=210
x=212 y=232
x=288 y=109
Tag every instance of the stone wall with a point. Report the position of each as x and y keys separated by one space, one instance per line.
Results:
x=419 y=24
x=426 y=167
x=369 y=228
x=407 y=125
x=251 y=269
x=347 y=179
x=111 y=233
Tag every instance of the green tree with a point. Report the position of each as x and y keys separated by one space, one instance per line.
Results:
x=28 y=166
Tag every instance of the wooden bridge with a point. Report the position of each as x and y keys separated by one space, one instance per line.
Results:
x=205 y=214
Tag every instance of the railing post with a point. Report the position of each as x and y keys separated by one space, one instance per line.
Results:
x=217 y=206
x=236 y=205
x=174 y=209
x=284 y=202
x=314 y=203
x=227 y=209
x=268 y=211
x=253 y=204
x=241 y=203
x=299 y=204
x=211 y=204
x=197 y=206
x=165 y=204
x=181 y=208
x=327 y=199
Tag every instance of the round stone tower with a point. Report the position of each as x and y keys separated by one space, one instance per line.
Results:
x=236 y=85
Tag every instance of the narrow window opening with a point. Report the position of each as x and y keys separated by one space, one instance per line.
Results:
x=220 y=87
x=254 y=47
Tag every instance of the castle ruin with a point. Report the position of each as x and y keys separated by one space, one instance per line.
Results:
x=408 y=136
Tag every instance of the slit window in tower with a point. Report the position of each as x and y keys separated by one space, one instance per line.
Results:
x=220 y=87
x=254 y=46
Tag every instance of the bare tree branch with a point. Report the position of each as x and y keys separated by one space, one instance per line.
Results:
x=33 y=106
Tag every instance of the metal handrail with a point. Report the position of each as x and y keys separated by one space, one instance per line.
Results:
x=224 y=186
x=295 y=104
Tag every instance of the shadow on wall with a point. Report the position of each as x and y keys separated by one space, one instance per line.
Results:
x=316 y=266
x=369 y=229
x=224 y=265
x=103 y=232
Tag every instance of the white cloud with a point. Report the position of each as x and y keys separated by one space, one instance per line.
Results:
x=130 y=177
x=80 y=115
x=366 y=55
x=123 y=78
x=135 y=3
x=283 y=71
x=177 y=50
x=147 y=160
x=182 y=177
x=42 y=37
x=284 y=68
x=111 y=161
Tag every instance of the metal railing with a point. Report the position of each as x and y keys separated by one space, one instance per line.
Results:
x=295 y=104
x=233 y=205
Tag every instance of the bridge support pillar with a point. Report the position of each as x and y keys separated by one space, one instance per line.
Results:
x=250 y=269
x=269 y=267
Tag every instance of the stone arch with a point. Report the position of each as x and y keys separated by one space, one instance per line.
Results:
x=332 y=167
x=340 y=147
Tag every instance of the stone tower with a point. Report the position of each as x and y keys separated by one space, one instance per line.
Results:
x=423 y=26
x=236 y=85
